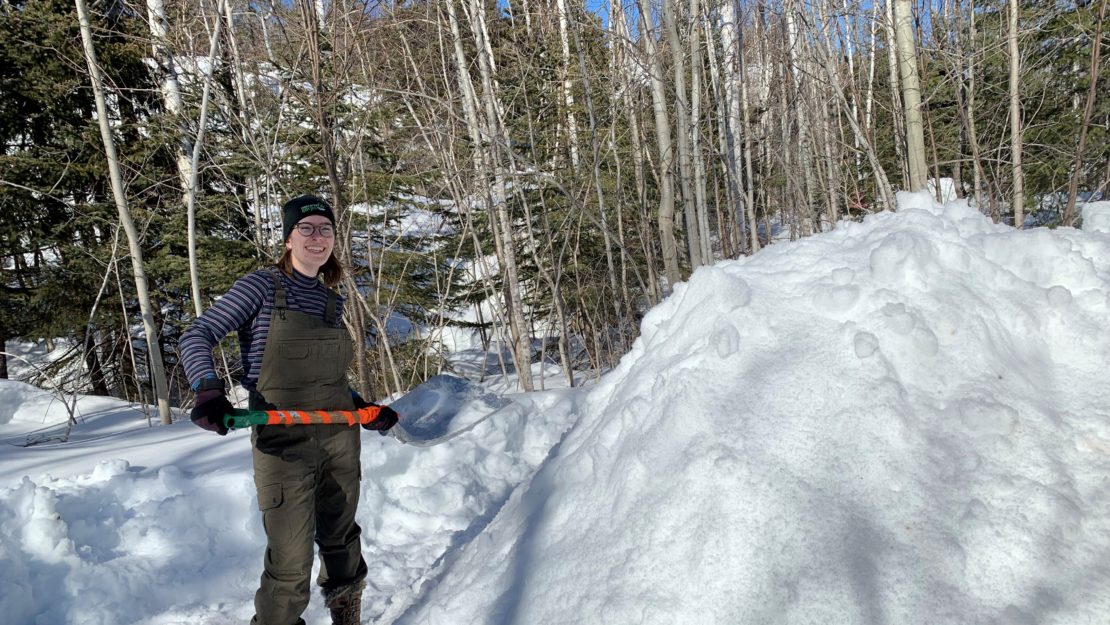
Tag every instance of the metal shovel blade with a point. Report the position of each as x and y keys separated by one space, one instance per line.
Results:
x=430 y=413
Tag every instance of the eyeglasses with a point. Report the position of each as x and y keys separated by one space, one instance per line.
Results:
x=307 y=230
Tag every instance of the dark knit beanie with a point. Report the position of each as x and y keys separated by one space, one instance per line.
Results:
x=300 y=207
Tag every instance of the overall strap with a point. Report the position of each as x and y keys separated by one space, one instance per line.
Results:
x=279 y=292
x=329 y=308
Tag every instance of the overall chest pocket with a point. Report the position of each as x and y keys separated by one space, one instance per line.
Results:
x=310 y=361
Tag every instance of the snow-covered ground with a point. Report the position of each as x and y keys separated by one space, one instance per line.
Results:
x=905 y=420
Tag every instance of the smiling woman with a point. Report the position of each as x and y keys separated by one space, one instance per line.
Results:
x=309 y=228
x=295 y=354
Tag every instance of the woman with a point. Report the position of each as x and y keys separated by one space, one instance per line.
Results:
x=295 y=354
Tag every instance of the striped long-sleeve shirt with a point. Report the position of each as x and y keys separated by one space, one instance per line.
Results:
x=246 y=309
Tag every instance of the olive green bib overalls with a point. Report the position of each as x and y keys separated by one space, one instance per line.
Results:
x=307 y=476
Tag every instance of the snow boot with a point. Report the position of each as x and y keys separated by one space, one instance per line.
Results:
x=345 y=603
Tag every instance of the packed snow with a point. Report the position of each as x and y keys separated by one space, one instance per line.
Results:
x=902 y=420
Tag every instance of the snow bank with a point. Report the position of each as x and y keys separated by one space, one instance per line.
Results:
x=125 y=524
x=1096 y=216
x=902 y=417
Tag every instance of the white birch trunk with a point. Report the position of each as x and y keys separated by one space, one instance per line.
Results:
x=886 y=191
x=191 y=195
x=682 y=132
x=622 y=50
x=746 y=131
x=171 y=99
x=911 y=95
x=239 y=82
x=896 y=110
x=803 y=192
x=522 y=349
x=1018 y=198
x=567 y=85
x=704 y=238
x=724 y=90
x=154 y=349
x=667 y=243
x=1092 y=91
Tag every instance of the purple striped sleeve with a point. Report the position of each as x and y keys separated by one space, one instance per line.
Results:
x=235 y=311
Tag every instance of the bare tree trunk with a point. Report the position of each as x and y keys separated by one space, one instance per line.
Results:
x=966 y=105
x=567 y=85
x=886 y=191
x=682 y=132
x=191 y=188
x=171 y=99
x=595 y=155
x=482 y=164
x=896 y=109
x=704 y=238
x=746 y=130
x=911 y=94
x=872 y=62
x=616 y=60
x=828 y=119
x=1077 y=167
x=1015 y=115
x=724 y=84
x=154 y=350
x=239 y=81
x=522 y=349
x=803 y=190
x=622 y=50
x=668 y=245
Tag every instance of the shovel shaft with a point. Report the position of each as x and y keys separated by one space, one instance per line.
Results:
x=246 y=418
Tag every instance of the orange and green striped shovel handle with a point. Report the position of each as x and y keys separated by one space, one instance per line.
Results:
x=246 y=418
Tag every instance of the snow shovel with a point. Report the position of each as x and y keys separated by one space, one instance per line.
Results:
x=245 y=418
x=438 y=401
x=441 y=403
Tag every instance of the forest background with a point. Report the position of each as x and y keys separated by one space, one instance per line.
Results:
x=575 y=160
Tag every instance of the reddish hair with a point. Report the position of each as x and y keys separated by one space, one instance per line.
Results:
x=331 y=272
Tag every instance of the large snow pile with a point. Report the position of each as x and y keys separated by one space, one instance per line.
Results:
x=901 y=421
x=904 y=420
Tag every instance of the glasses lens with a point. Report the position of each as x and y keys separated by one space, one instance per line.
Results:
x=308 y=230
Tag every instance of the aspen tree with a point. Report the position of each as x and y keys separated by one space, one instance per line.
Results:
x=567 y=86
x=800 y=129
x=238 y=79
x=911 y=94
x=603 y=218
x=490 y=129
x=739 y=116
x=965 y=95
x=732 y=243
x=1018 y=197
x=667 y=243
x=1092 y=89
x=171 y=99
x=624 y=61
x=682 y=134
x=702 y=209
x=897 y=111
x=154 y=350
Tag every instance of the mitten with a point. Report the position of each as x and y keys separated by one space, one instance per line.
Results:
x=387 y=417
x=210 y=409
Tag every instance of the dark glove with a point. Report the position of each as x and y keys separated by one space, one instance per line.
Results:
x=209 y=412
x=387 y=417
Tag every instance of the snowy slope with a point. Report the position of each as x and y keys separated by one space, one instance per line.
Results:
x=901 y=421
